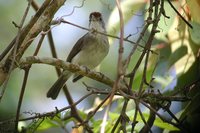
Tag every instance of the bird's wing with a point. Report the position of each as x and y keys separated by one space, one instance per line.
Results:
x=76 y=49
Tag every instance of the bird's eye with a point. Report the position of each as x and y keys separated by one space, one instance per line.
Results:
x=100 y=19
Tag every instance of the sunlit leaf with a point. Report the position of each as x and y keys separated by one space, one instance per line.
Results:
x=164 y=125
x=138 y=77
x=149 y=73
x=194 y=33
x=83 y=114
x=110 y=123
x=42 y=125
x=194 y=47
x=47 y=123
x=194 y=7
x=96 y=124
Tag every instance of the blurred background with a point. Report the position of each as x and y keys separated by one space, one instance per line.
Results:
x=41 y=77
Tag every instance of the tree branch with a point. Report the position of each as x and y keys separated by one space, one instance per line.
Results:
x=24 y=39
x=68 y=66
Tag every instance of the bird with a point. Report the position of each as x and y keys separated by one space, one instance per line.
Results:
x=88 y=51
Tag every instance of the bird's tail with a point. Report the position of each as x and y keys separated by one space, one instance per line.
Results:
x=56 y=87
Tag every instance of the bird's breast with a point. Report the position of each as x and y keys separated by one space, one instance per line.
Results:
x=93 y=52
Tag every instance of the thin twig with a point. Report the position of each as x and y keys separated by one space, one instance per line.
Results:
x=16 y=45
x=56 y=22
x=143 y=119
x=65 y=89
x=161 y=117
x=150 y=121
x=26 y=69
x=121 y=118
x=21 y=97
x=92 y=113
x=7 y=65
x=180 y=14
x=67 y=66
x=120 y=70
x=134 y=118
x=53 y=113
x=133 y=72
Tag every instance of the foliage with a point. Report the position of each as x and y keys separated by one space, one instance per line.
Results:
x=159 y=70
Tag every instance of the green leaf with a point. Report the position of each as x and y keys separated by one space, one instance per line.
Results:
x=139 y=75
x=190 y=116
x=194 y=9
x=195 y=32
x=164 y=80
x=129 y=9
x=194 y=47
x=41 y=124
x=83 y=114
x=192 y=107
x=158 y=122
x=96 y=124
x=177 y=54
x=48 y=123
x=164 y=125
x=188 y=77
x=113 y=116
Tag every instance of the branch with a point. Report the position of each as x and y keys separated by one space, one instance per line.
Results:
x=40 y=25
x=58 y=71
x=15 y=47
x=61 y=20
x=57 y=111
x=67 y=66
x=24 y=39
x=120 y=71
x=26 y=74
x=37 y=24
x=26 y=29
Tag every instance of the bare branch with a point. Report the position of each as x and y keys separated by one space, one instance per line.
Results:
x=68 y=66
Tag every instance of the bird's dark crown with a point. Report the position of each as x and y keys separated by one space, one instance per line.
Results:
x=95 y=14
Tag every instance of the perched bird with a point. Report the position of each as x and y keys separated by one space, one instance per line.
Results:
x=88 y=51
